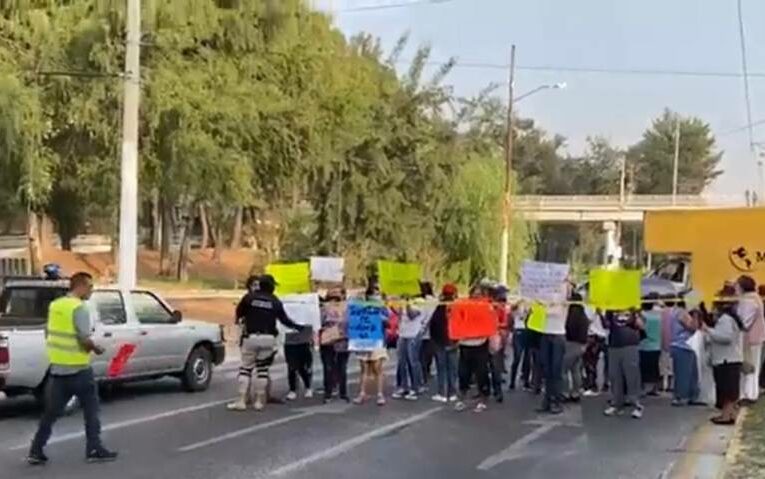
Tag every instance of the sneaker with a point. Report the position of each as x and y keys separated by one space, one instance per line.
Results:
x=611 y=411
x=453 y=398
x=678 y=403
x=398 y=394
x=439 y=398
x=460 y=406
x=37 y=459
x=381 y=400
x=291 y=396
x=480 y=407
x=101 y=454
x=590 y=393
x=556 y=409
x=360 y=399
x=258 y=405
x=412 y=396
x=637 y=413
x=237 y=406
x=422 y=390
x=308 y=394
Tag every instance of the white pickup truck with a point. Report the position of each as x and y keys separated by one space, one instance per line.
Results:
x=166 y=344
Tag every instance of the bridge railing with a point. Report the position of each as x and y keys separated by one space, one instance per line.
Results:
x=611 y=202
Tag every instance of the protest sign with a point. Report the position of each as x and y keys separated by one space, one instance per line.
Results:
x=614 y=289
x=399 y=279
x=365 y=326
x=544 y=282
x=330 y=270
x=292 y=278
x=303 y=309
x=537 y=318
x=119 y=361
x=472 y=319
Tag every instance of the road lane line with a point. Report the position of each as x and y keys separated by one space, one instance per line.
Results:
x=132 y=422
x=245 y=431
x=516 y=449
x=163 y=415
x=350 y=444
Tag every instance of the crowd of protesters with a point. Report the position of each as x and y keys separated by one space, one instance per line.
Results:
x=582 y=352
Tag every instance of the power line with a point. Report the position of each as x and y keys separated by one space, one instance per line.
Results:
x=597 y=70
x=745 y=69
x=389 y=6
x=742 y=128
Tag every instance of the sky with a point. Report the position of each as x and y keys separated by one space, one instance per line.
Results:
x=687 y=35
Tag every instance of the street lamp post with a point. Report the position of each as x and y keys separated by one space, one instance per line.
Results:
x=506 y=204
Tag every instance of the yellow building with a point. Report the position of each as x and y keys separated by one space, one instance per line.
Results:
x=723 y=244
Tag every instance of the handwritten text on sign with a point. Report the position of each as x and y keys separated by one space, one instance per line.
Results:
x=544 y=282
x=365 y=326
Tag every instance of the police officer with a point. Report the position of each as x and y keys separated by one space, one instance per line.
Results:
x=260 y=310
x=69 y=345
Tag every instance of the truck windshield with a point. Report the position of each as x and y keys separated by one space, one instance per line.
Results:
x=672 y=271
x=26 y=306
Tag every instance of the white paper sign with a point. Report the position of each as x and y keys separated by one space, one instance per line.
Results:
x=706 y=376
x=327 y=269
x=544 y=282
x=303 y=309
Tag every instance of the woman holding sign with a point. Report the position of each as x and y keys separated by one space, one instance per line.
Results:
x=333 y=339
x=366 y=323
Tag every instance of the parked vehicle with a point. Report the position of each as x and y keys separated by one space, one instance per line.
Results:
x=166 y=344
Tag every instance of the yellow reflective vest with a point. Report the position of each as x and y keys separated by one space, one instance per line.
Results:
x=63 y=347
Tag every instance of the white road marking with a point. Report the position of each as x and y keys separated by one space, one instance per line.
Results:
x=143 y=419
x=132 y=422
x=163 y=415
x=516 y=449
x=245 y=431
x=265 y=425
x=346 y=446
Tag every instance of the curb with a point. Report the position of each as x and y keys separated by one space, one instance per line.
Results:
x=707 y=452
x=734 y=447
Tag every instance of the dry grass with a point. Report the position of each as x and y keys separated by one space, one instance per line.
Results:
x=749 y=461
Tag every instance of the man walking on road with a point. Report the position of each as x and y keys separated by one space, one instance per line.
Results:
x=69 y=345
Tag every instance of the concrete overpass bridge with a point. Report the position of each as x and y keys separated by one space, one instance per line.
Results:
x=613 y=211
x=617 y=209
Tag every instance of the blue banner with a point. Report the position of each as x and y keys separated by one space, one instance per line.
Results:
x=365 y=326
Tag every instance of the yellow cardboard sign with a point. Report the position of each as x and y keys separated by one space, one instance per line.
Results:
x=292 y=278
x=615 y=289
x=537 y=318
x=399 y=279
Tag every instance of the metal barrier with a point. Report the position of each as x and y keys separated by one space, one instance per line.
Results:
x=14 y=267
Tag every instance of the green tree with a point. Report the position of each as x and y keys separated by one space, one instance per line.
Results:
x=653 y=157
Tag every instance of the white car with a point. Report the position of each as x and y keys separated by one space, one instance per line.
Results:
x=166 y=344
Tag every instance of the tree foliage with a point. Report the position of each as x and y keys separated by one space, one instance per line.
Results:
x=261 y=109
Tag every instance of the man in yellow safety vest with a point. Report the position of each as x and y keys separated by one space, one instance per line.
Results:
x=69 y=345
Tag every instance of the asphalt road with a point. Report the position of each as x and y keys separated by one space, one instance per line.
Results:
x=162 y=432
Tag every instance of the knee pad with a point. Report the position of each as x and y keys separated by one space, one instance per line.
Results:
x=243 y=380
x=260 y=381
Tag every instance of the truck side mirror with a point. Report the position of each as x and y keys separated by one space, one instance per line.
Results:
x=177 y=316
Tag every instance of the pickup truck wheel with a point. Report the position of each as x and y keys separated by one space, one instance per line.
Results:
x=198 y=372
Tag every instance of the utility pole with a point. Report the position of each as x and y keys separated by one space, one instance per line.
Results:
x=675 y=165
x=505 y=245
x=128 y=247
